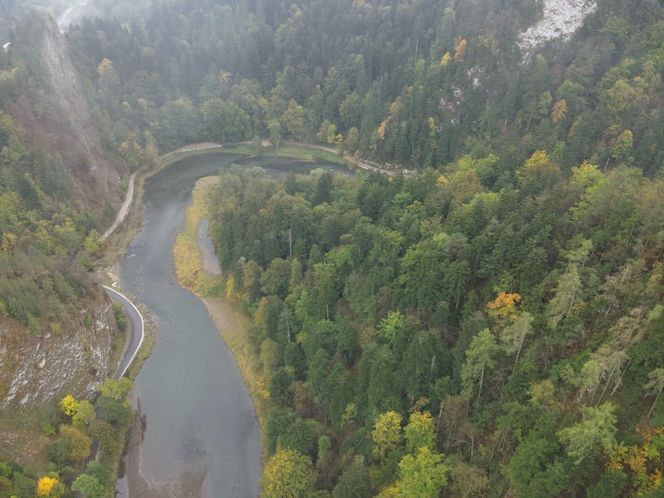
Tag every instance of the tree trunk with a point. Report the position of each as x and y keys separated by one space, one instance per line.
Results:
x=479 y=393
x=290 y=244
x=440 y=415
x=518 y=353
x=615 y=388
x=653 y=404
x=606 y=386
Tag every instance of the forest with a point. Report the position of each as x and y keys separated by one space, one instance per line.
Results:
x=86 y=443
x=435 y=332
x=490 y=325
x=46 y=243
x=416 y=83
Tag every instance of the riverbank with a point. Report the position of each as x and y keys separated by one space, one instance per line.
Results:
x=121 y=233
x=128 y=223
x=231 y=322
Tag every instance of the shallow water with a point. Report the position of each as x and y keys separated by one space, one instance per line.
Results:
x=201 y=437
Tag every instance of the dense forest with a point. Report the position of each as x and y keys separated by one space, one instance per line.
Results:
x=516 y=330
x=491 y=326
x=413 y=83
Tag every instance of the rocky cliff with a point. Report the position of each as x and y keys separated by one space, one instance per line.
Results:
x=36 y=370
x=560 y=19
x=53 y=118
x=54 y=115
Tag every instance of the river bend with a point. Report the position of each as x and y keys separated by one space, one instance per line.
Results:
x=200 y=437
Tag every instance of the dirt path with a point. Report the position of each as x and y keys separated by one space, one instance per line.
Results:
x=124 y=209
x=356 y=162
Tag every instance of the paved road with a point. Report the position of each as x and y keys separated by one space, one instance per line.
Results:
x=137 y=328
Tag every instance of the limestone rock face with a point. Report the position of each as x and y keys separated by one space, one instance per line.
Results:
x=561 y=19
x=35 y=370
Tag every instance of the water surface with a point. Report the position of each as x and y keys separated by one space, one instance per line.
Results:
x=201 y=437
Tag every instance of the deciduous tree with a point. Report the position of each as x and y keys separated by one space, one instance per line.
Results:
x=386 y=433
x=288 y=474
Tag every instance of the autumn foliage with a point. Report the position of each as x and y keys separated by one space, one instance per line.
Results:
x=504 y=308
x=49 y=487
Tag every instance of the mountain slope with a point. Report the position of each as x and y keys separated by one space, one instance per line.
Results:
x=54 y=116
x=58 y=186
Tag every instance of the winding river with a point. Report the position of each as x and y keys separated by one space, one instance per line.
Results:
x=200 y=437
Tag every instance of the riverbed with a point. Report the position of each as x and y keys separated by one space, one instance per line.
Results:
x=199 y=436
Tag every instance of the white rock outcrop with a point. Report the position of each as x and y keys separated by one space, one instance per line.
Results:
x=37 y=370
x=561 y=19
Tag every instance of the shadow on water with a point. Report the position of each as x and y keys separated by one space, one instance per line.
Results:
x=198 y=436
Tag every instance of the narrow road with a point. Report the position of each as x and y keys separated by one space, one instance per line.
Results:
x=137 y=331
x=126 y=206
x=124 y=209
x=358 y=163
x=174 y=154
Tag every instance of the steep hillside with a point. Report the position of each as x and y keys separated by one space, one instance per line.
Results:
x=53 y=115
x=416 y=83
x=58 y=187
x=38 y=370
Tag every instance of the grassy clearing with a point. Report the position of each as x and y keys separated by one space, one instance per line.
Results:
x=301 y=152
x=150 y=330
x=230 y=320
x=248 y=149
x=310 y=153
x=186 y=252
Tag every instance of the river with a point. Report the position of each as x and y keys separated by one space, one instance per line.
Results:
x=200 y=436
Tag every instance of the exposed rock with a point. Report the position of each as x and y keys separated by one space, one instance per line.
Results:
x=561 y=19
x=37 y=370
x=55 y=117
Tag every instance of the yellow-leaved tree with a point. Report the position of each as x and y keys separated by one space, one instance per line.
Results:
x=69 y=405
x=559 y=111
x=503 y=309
x=446 y=59
x=49 y=487
x=288 y=474
x=539 y=172
x=386 y=433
